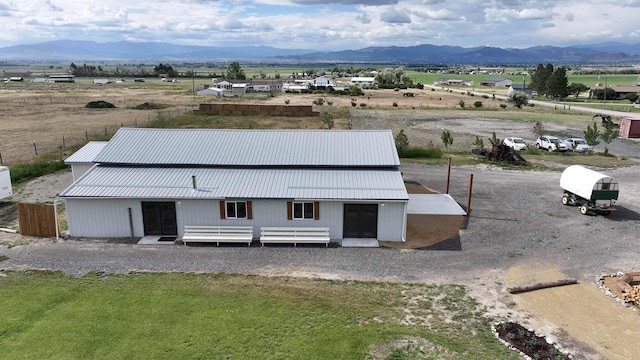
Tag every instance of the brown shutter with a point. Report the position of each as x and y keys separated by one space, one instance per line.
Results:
x=316 y=210
x=223 y=210
x=249 y=210
x=289 y=210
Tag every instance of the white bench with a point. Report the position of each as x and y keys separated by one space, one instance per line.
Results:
x=218 y=234
x=288 y=235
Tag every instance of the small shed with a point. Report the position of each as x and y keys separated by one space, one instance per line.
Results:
x=239 y=89
x=212 y=91
x=629 y=128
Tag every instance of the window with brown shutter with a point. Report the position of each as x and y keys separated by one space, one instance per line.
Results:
x=249 y=210
x=289 y=210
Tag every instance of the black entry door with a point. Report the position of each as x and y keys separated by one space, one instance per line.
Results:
x=360 y=221
x=159 y=218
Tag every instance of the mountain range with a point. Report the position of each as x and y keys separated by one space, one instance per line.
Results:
x=78 y=51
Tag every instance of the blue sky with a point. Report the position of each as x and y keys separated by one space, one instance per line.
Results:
x=323 y=24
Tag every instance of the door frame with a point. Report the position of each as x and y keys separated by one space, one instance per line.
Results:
x=361 y=221
x=162 y=216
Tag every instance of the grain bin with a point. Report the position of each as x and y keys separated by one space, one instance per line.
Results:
x=591 y=190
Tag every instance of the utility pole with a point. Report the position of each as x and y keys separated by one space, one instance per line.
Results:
x=193 y=84
x=604 y=103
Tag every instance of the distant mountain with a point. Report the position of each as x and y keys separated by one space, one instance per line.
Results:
x=71 y=50
x=125 y=50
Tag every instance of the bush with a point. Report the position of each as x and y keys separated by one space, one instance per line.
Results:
x=485 y=96
x=422 y=152
x=329 y=102
x=395 y=104
x=318 y=101
x=353 y=103
x=287 y=101
x=461 y=103
x=363 y=104
x=25 y=172
x=477 y=104
x=503 y=106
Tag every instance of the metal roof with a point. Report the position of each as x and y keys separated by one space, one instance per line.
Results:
x=87 y=153
x=211 y=183
x=214 y=147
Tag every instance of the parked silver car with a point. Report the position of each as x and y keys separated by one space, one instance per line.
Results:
x=551 y=143
x=578 y=145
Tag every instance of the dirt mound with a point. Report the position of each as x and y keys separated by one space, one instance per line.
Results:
x=528 y=342
x=148 y=106
x=100 y=104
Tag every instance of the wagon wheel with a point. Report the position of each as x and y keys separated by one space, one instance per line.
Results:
x=565 y=200
x=584 y=209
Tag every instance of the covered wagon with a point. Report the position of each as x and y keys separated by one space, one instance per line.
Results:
x=591 y=190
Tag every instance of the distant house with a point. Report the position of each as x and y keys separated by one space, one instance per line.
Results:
x=264 y=86
x=455 y=82
x=519 y=87
x=223 y=85
x=82 y=160
x=496 y=82
x=363 y=82
x=212 y=91
x=621 y=91
x=100 y=81
x=322 y=82
x=61 y=78
x=16 y=78
x=239 y=89
x=21 y=74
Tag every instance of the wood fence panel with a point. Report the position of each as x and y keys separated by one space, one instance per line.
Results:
x=36 y=219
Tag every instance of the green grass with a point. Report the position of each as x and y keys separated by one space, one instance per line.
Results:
x=23 y=172
x=49 y=315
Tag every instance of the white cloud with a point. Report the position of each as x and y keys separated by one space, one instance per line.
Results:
x=322 y=24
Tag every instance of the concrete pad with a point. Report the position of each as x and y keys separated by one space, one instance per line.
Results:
x=154 y=240
x=371 y=243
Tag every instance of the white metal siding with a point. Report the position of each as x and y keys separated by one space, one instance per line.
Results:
x=103 y=218
x=110 y=217
x=79 y=169
x=390 y=221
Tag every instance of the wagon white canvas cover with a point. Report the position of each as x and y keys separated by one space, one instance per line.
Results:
x=588 y=184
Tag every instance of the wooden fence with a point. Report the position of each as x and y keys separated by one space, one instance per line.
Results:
x=37 y=219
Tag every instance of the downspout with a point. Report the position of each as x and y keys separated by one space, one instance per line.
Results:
x=404 y=223
x=55 y=216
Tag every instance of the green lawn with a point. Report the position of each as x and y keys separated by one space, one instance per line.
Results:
x=48 y=315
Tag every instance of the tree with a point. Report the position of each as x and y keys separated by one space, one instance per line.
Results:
x=558 y=84
x=235 y=72
x=494 y=140
x=610 y=132
x=402 y=142
x=591 y=135
x=607 y=93
x=538 y=129
x=327 y=118
x=518 y=99
x=478 y=142
x=390 y=78
x=447 y=138
x=632 y=97
x=576 y=88
x=539 y=78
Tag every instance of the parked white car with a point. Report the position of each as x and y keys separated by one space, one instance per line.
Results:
x=551 y=143
x=515 y=143
x=578 y=145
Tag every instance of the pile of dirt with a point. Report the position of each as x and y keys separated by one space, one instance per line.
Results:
x=100 y=104
x=528 y=342
x=148 y=106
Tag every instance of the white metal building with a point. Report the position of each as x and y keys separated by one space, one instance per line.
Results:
x=156 y=181
x=82 y=160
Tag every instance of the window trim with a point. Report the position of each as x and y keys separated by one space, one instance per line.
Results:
x=303 y=204
x=235 y=204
